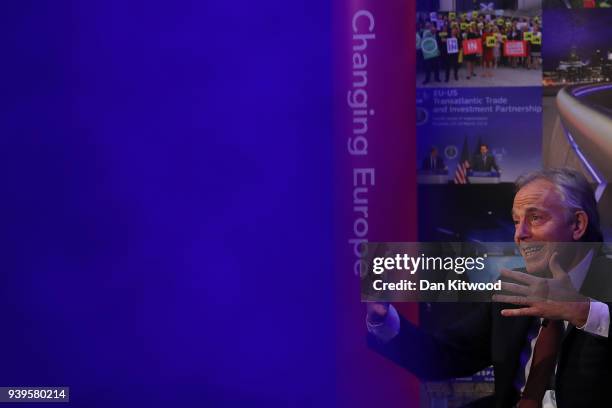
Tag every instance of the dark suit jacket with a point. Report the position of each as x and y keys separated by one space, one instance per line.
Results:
x=438 y=165
x=484 y=338
x=478 y=164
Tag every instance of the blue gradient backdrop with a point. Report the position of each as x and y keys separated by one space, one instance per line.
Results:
x=166 y=212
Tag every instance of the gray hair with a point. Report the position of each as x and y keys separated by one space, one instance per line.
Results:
x=576 y=193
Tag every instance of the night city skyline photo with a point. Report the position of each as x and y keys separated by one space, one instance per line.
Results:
x=583 y=31
x=577 y=46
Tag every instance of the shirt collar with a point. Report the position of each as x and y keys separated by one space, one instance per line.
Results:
x=578 y=273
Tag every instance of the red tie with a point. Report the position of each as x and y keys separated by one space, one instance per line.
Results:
x=542 y=364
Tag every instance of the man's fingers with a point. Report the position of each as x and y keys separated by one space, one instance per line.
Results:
x=555 y=268
x=517 y=300
x=515 y=288
x=525 y=311
x=518 y=276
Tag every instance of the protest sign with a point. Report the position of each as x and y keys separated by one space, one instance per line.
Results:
x=429 y=47
x=473 y=46
x=515 y=48
x=452 y=46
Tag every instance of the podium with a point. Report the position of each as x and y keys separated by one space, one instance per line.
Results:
x=483 y=177
x=432 y=177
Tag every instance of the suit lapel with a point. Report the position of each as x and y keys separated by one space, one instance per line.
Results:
x=598 y=281
x=567 y=331
x=519 y=331
x=514 y=333
x=514 y=336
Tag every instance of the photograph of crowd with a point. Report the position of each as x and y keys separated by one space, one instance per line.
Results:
x=492 y=48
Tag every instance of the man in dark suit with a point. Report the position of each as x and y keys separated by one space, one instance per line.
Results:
x=433 y=161
x=551 y=331
x=484 y=161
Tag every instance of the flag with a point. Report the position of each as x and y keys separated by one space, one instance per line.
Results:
x=487 y=7
x=463 y=165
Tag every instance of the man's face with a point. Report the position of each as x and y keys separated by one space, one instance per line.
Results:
x=541 y=222
x=434 y=152
x=484 y=150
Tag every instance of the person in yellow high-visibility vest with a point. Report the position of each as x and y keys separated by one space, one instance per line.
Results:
x=488 y=41
x=470 y=59
x=536 y=47
x=497 y=46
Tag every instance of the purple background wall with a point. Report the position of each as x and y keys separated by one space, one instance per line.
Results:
x=166 y=208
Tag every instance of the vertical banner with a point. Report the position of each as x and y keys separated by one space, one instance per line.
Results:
x=374 y=152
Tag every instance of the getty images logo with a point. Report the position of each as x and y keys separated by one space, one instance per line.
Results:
x=412 y=264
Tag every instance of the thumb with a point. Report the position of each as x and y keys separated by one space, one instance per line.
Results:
x=555 y=267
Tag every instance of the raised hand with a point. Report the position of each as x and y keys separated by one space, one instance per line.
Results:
x=550 y=298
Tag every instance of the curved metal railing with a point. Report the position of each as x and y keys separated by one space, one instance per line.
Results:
x=585 y=116
x=588 y=127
